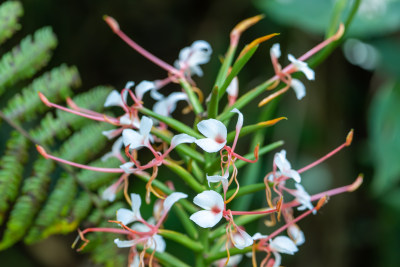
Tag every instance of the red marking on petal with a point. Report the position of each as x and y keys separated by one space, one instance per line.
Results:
x=219 y=139
x=216 y=210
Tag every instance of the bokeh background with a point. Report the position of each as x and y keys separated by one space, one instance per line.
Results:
x=356 y=87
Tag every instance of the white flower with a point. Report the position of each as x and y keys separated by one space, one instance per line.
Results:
x=181 y=139
x=167 y=105
x=218 y=178
x=303 y=198
x=276 y=51
x=191 y=57
x=139 y=139
x=126 y=216
x=110 y=134
x=284 y=166
x=109 y=193
x=213 y=206
x=298 y=88
x=215 y=133
x=129 y=119
x=115 y=150
x=282 y=244
x=156 y=242
x=128 y=167
x=171 y=199
x=143 y=87
x=115 y=99
x=241 y=239
x=296 y=235
x=302 y=66
x=258 y=236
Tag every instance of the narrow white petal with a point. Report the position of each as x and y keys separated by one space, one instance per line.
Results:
x=117 y=146
x=242 y=239
x=159 y=243
x=126 y=216
x=205 y=218
x=298 y=88
x=161 y=107
x=156 y=95
x=283 y=244
x=293 y=174
x=181 y=139
x=136 y=203
x=213 y=128
x=303 y=67
x=109 y=193
x=145 y=126
x=278 y=259
x=258 y=236
x=132 y=138
x=171 y=199
x=114 y=99
x=217 y=178
x=210 y=145
x=128 y=167
x=233 y=87
x=129 y=85
x=208 y=200
x=296 y=234
x=276 y=50
x=142 y=88
x=136 y=261
x=239 y=123
x=110 y=134
x=124 y=243
x=281 y=162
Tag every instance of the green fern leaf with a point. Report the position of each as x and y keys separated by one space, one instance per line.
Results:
x=11 y=173
x=27 y=58
x=10 y=11
x=94 y=182
x=56 y=85
x=34 y=192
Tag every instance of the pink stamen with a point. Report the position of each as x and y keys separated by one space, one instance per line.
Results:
x=86 y=167
x=140 y=49
x=268 y=211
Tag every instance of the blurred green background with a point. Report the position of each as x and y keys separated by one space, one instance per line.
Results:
x=357 y=229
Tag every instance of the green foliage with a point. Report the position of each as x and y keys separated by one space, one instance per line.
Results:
x=10 y=11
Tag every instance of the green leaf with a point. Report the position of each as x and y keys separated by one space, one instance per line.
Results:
x=10 y=11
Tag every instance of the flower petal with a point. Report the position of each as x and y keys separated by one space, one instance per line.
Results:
x=239 y=123
x=283 y=244
x=241 y=239
x=209 y=145
x=145 y=126
x=143 y=87
x=110 y=134
x=125 y=216
x=132 y=138
x=298 y=88
x=128 y=167
x=217 y=178
x=296 y=234
x=171 y=199
x=114 y=99
x=109 y=193
x=303 y=67
x=159 y=243
x=124 y=243
x=281 y=162
x=208 y=200
x=233 y=87
x=213 y=129
x=206 y=218
x=258 y=236
x=276 y=50
x=181 y=139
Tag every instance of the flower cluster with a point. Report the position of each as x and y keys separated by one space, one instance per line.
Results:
x=207 y=174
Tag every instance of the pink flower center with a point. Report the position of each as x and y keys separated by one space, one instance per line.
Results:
x=215 y=209
x=219 y=139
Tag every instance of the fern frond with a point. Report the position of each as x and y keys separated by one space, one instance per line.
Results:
x=27 y=58
x=10 y=11
x=56 y=85
x=51 y=126
x=57 y=203
x=12 y=164
x=95 y=181
x=34 y=192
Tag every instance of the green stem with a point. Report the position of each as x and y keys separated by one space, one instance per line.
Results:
x=213 y=104
x=181 y=239
x=186 y=222
x=164 y=257
x=194 y=100
x=185 y=175
x=223 y=254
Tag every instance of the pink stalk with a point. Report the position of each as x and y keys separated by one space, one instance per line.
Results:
x=254 y=212
x=96 y=118
x=107 y=230
x=115 y=27
x=74 y=106
x=86 y=167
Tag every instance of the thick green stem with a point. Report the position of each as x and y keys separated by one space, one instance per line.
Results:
x=194 y=100
x=182 y=239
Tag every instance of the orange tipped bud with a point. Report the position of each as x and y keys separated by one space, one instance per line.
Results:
x=256 y=151
x=279 y=203
x=357 y=183
x=44 y=99
x=322 y=201
x=271 y=122
x=349 y=137
x=112 y=23
x=245 y=24
x=339 y=32
x=42 y=151
x=256 y=42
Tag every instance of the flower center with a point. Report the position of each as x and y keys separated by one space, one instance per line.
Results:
x=215 y=209
x=219 y=139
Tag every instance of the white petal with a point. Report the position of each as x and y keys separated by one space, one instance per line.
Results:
x=205 y=218
x=161 y=107
x=298 y=88
x=283 y=244
x=242 y=239
x=132 y=138
x=210 y=145
x=303 y=197
x=239 y=123
x=159 y=243
x=296 y=234
x=217 y=178
x=278 y=259
x=124 y=243
x=281 y=162
x=128 y=167
x=140 y=227
x=258 y=236
x=145 y=125
x=181 y=139
x=143 y=87
x=209 y=199
x=114 y=99
x=233 y=87
x=293 y=174
x=110 y=134
x=126 y=216
x=156 y=95
x=276 y=50
x=109 y=193
x=129 y=85
x=171 y=199
x=303 y=67
x=136 y=261
x=212 y=128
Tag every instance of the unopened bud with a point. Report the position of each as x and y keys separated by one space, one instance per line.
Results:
x=357 y=183
x=271 y=122
x=349 y=137
x=42 y=151
x=44 y=99
x=112 y=23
